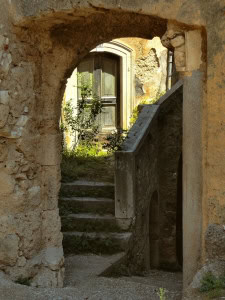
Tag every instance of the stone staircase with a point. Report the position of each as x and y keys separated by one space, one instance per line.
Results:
x=87 y=212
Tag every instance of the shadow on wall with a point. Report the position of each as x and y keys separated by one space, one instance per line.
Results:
x=154 y=231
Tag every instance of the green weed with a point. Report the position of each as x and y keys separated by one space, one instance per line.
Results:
x=162 y=294
x=89 y=163
x=213 y=286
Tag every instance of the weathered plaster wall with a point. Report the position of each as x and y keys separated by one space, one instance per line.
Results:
x=46 y=42
x=149 y=67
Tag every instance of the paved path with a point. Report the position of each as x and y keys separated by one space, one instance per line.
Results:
x=83 y=270
x=83 y=283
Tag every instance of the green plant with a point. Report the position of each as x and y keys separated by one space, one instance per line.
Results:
x=85 y=149
x=91 y=163
x=136 y=110
x=114 y=141
x=162 y=294
x=82 y=120
x=212 y=285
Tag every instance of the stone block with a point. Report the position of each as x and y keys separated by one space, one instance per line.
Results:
x=179 y=58
x=50 y=150
x=14 y=203
x=29 y=145
x=5 y=64
x=21 y=261
x=9 y=246
x=177 y=41
x=29 y=226
x=7 y=183
x=48 y=278
x=34 y=196
x=3 y=152
x=216 y=268
x=193 y=50
x=53 y=258
x=11 y=167
x=4 y=112
x=215 y=242
x=4 y=97
x=2 y=41
x=51 y=228
x=51 y=177
x=22 y=121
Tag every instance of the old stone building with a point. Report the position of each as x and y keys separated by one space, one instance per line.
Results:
x=123 y=73
x=41 y=43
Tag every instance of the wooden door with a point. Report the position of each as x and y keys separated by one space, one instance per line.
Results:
x=104 y=69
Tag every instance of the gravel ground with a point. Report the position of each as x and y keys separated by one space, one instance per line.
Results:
x=83 y=283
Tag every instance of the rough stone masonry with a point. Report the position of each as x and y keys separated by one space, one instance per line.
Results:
x=41 y=42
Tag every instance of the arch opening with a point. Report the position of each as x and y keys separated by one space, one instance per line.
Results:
x=61 y=46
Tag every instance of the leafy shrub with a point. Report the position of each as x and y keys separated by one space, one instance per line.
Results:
x=136 y=111
x=212 y=285
x=85 y=149
x=114 y=141
x=82 y=120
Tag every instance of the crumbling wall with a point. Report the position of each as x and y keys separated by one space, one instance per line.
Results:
x=30 y=244
x=36 y=58
x=46 y=40
x=149 y=67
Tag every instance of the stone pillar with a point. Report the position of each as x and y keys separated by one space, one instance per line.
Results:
x=192 y=174
x=187 y=47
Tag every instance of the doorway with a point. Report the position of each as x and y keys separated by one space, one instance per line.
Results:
x=103 y=70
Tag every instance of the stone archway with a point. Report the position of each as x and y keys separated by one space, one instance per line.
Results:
x=126 y=80
x=48 y=42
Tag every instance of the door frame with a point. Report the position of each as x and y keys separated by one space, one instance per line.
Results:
x=127 y=92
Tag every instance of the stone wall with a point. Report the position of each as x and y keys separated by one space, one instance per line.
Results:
x=35 y=62
x=154 y=152
x=145 y=184
x=146 y=70
x=150 y=67
x=30 y=244
x=43 y=41
x=169 y=153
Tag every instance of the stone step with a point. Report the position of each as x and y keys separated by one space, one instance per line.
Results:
x=81 y=188
x=76 y=205
x=97 y=243
x=89 y=223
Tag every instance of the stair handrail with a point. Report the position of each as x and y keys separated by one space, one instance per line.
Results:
x=140 y=129
x=125 y=158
